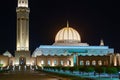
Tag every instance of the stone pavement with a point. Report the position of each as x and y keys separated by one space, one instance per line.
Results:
x=29 y=75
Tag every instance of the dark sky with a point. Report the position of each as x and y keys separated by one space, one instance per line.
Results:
x=93 y=19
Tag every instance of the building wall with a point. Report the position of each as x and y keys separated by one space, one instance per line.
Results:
x=94 y=60
x=33 y=61
x=25 y=54
x=106 y=60
x=115 y=59
x=11 y=60
x=54 y=60
x=4 y=60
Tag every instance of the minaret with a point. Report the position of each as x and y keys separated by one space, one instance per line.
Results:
x=22 y=25
x=101 y=42
x=22 y=43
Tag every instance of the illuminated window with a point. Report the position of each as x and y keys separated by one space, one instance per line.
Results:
x=48 y=62
x=61 y=63
x=68 y=62
x=11 y=62
x=87 y=63
x=55 y=62
x=94 y=63
x=99 y=62
x=42 y=62
x=81 y=63
x=1 y=62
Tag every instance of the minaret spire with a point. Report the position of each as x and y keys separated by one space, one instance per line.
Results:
x=67 y=23
x=101 y=42
x=23 y=3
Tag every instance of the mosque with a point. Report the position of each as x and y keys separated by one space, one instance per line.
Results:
x=67 y=50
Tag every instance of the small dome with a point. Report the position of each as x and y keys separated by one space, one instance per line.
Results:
x=67 y=35
x=7 y=53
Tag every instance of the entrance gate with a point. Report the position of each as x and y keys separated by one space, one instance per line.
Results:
x=22 y=60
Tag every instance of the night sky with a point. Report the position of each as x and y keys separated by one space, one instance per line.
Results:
x=93 y=19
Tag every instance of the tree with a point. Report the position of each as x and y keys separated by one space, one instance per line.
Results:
x=58 y=68
x=81 y=69
x=1 y=65
x=89 y=69
x=65 y=68
x=100 y=70
x=71 y=69
x=118 y=68
x=111 y=70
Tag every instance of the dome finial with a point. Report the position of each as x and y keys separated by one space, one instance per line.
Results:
x=67 y=23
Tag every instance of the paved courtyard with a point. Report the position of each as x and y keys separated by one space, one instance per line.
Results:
x=31 y=75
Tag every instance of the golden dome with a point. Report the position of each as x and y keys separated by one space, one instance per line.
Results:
x=67 y=35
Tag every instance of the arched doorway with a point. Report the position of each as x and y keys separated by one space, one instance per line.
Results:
x=22 y=60
x=11 y=62
x=68 y=63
